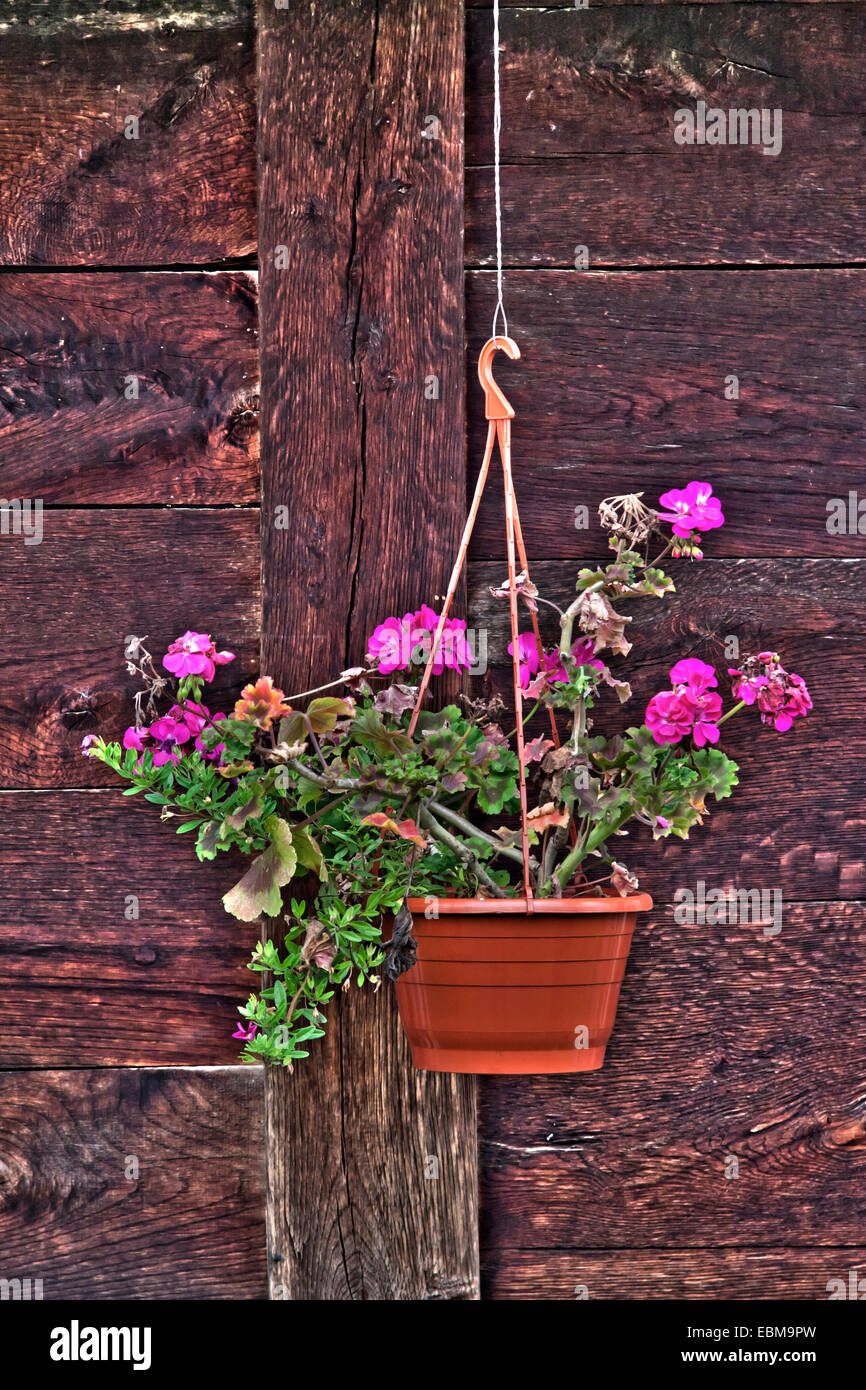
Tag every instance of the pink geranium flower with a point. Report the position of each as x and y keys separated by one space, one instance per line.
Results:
x=692 y=707
x=398 y=643
x=194 y=654
x=245 y=1034
x=692 y=508
x=698 y=675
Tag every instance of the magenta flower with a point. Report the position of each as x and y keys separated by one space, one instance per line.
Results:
x=527 y=657
x=746 y=688
x=167 y=735
x=135 y=738
x=692 y=508
x=692 y=707
x=245 y=1034
x=554 y=670
x=693 y=673
x=781 y=696
x=215 y=754
x=398 y=643
x=194 y=654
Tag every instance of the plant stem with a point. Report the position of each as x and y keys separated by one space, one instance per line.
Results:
x=469 y=829
x=733 y=710
x=451 y=842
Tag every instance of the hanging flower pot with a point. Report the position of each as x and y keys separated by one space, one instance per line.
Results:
x=475 y=865
x=497 y=989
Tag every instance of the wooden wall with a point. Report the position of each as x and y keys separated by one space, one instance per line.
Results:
x=703 y=262
x=131 y=1145
x=128 y=258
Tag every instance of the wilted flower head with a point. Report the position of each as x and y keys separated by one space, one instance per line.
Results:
x=781 y=696
x=627 y=517
x=194 y=654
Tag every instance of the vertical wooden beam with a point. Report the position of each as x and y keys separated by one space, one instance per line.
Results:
x=372 y=1166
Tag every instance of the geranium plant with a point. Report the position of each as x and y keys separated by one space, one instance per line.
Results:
x=342 y=812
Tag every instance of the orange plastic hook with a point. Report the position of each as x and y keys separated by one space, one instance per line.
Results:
x=496 y=407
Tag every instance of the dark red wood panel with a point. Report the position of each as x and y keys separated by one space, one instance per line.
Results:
x=188 y=1223
x=621 y=387
x=806 y=207
x=732 y=1275
x=589 y=103
x=604 y=4
x=610 y=78
x=727 y=1045
x=770 y=832
x=76 y=186
x=363 y=444
x=115 y=949
x=129 y=387
x=69 y=602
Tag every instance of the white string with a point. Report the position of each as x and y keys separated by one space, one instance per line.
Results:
x=497 y=126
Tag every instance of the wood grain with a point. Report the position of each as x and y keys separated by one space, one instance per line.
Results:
x=129 y=387
x=610 y=78
x=189 y=1225
x=621 y=387
x=74 y=188
x=768 y=833
x=604 y=4
x=81 y=982
x=727 y=1044
x=691 y=1275
x=69 y=602
x=588 y=135
x=371 y=469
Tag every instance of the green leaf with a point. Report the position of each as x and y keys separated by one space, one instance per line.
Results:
x=717 y=771
x=206 y=846
x=324 y=713
x=369 y=729
x=259 y=890
x=308 y=852
x=251 y=810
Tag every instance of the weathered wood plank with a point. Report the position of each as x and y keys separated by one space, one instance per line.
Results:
x=134 y=1183
x=727 y=1045
x=806 y=207
x=96 y=577
x=81 y=185
x=611 y=78
x=621 y=387
x=369 y=461
x=115 y=949
x=766 y=834
x=693 y=1275
x=588 y=135
x=130 y=387
x=604 y=4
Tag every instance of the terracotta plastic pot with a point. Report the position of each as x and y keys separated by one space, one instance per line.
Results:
x=499 y=990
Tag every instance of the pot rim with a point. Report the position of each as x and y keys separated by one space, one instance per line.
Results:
x=636 y=902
